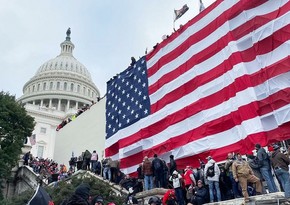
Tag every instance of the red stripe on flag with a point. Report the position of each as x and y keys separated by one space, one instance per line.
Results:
x=259 y=48
x=235 y=58
x=210 y=28
x=190 y=23
x=207 y=102
x=201 y=34
x=244 y=146
x=221 y=103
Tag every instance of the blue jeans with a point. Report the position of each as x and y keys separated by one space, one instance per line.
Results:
x=235 y=186
x=94 y=165
x=283 y=177
x=107 y=171
x=267 y=175
x=148 y=179
x=179 y=195
x=214 y=185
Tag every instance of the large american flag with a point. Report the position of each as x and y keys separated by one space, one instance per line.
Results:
x=219 y=84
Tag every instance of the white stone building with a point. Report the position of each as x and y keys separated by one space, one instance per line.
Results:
x=59 y=88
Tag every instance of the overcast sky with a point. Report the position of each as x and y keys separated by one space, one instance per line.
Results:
x=105 y=34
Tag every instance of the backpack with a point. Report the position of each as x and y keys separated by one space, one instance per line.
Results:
x=210 y=171
x=157 y=164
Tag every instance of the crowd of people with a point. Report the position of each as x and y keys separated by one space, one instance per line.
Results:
x=73 y=117
x=240 y=176
x=47 y=169
x=213 y=182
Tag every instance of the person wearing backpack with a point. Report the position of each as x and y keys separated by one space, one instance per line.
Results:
x=212 y=174
x=157 y=166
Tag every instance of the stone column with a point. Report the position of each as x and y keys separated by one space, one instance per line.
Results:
x=77 y=105
x=50 y=103
x=58 y=105
x=33 y=102
x=67 y=105
x=41 y=103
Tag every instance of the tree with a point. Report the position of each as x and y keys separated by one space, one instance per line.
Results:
x=15 y=127
x=63 y=190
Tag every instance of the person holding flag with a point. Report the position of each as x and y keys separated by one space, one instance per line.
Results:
x=178 y=13
x=40 y=197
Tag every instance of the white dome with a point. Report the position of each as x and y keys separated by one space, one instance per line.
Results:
x=63 y=63
x=63 y=77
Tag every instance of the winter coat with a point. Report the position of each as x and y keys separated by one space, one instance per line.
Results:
x=241 y=168
x=216 y=171
x=279 y=160
x=263 y=158
x=189 y=178
x=228 y=165
x=147 y=168
x=87 y=155
x=94 y=156
x=202 y=194
x=255 y=167
x=176 y=181
x=172 y=166
x=81 y=196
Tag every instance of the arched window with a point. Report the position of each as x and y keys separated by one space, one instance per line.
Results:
x=65 y=86
x=38 y=87
x=79 y=88
x=51 y=85
x=89 y=92
x=57 y=85
x=44 y=86
x=33 y=88
x=72 y=87
x=84 y=90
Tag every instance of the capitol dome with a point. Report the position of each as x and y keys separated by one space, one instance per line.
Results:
x=61 y=83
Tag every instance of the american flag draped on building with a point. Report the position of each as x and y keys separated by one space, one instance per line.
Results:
x=219 y=84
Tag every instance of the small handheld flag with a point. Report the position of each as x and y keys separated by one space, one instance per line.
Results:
x=180 y=12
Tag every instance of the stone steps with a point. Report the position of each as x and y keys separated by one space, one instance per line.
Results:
x=265 y=199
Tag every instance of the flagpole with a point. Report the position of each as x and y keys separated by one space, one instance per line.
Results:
x=34 y=194
x=173 y=22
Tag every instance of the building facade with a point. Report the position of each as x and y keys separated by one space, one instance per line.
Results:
x=60 y=87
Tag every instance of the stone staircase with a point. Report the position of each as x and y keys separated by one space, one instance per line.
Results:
x=265 y=199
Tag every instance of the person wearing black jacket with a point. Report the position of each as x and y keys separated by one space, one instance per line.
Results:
x=80 y=197
x=280 y=163
x=157 y=166
x=200 y=196
x=172 y=164
x=265 y=168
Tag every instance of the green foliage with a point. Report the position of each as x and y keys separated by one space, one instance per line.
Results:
x=15 y=126
x=21 y=199
x=65 y=189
